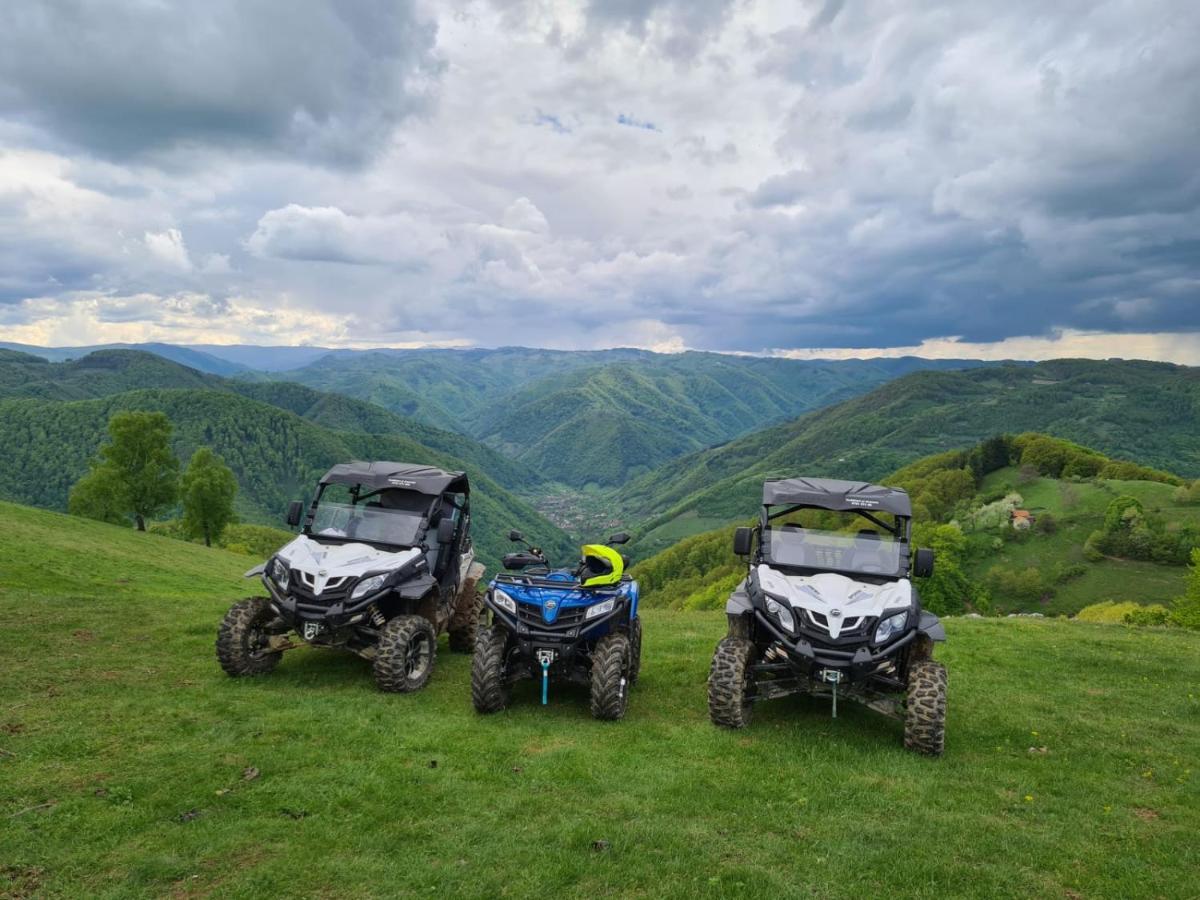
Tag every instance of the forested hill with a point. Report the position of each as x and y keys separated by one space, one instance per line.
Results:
x=108 y=372
x=1145 y=411
x=276 y=455
x=599 y=417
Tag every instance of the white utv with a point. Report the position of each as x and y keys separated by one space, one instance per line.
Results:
x=830 y=610
x=383 y=564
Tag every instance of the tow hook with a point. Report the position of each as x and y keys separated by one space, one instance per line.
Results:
x=833 y=678
x=545 y=657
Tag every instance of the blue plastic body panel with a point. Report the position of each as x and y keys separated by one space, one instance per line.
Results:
x=551 y=600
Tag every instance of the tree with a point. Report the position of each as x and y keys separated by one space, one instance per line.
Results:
x=135 y=474
x=948 y=591
x=1124 y=513
x=209 y=487
x=1186 y=610
x=97 y=496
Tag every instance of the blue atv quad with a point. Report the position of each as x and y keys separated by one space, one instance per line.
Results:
x=578 y=625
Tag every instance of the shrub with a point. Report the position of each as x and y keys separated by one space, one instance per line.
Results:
x=1068 y=571
x=1108 y=611
x=254 y=540
x=1018 y=589
x=1092 y=547
x=1186 y=610
x=1154 y=614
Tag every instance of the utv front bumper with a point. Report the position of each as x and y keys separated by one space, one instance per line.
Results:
x=330 y=614
x=813 y=658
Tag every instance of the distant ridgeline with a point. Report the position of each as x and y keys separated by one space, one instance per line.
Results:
x=1097 y=525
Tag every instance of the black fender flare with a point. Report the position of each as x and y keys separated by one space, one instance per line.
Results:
x=931 y=626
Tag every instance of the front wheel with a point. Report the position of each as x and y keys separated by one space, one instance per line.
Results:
x=635 y=649
x=925 y=709
x=243 y=641
x=491 y=690
x=610 y=676
x=405 y=655
x=729 y=683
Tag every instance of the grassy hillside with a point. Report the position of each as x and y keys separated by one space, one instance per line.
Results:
x=1149 y=412
x=276 y=455
x=1078 y=510
x=131 y=766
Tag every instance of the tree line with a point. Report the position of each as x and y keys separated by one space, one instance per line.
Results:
x=135 y=477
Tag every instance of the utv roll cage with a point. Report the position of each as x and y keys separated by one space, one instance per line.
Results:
x=387 y=479
x=834 y=495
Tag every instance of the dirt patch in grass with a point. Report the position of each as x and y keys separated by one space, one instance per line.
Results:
x=538 y=747
x=19 y=882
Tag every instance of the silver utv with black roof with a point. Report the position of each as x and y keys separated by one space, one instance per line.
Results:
x=383 y=564
x=829 y=608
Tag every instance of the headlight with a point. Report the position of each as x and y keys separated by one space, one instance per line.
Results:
x=368 y=586
x=782 y=613
x=600 y=609
x=890 y=627
x=279 y=574
x=504 y=601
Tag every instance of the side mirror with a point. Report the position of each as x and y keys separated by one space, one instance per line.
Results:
x=619 y=538
x=295 y=511
x=923 y=564
x=516 y=536
x=446 y=530
x=743 y=538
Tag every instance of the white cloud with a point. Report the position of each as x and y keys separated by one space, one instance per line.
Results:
x=1065 y=344
x=168 y=247
x=327 y=234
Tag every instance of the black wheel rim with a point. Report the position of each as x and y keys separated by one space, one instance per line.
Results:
x=416 y=659
x=256 y=641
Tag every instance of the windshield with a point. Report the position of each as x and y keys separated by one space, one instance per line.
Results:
x=867 y=553
x=368 y=523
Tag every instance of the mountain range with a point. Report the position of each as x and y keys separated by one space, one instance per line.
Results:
x=665 y=445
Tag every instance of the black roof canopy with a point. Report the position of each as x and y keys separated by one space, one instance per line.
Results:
x=834 y=494
x=403 y=476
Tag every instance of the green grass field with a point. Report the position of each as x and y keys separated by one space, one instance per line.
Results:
x=1078 y=509
x=131 y=766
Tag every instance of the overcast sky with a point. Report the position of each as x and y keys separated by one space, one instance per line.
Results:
x=983 y=178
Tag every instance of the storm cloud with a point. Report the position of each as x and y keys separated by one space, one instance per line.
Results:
x=742 y=176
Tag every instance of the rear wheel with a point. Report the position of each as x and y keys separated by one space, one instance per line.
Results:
x=465 y=624
x=729 y=683
x=925 y=710
x=405 y=654
x=243 y=641
x=610 y=676
x=490 y=688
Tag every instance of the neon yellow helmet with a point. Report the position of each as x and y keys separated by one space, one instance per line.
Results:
x=602 y=565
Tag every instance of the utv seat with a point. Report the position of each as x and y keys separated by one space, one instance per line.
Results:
x=869 y=553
